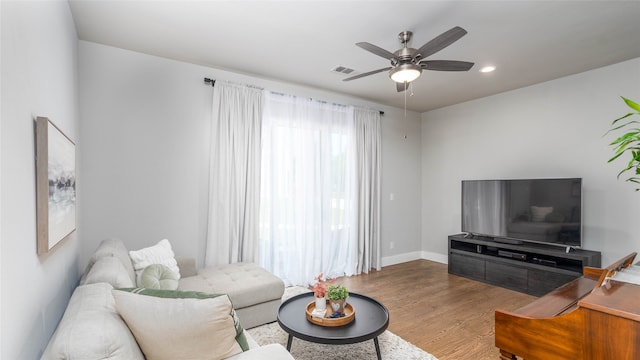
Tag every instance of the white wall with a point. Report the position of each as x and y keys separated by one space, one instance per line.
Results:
x=401 y=175
x=1 y=151
x=39 y=78
x=145 y=136
x=553 y=129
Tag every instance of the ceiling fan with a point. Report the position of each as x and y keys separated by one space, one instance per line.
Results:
x=407 y=63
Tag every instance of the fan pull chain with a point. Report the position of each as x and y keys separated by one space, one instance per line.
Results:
x=405 y=100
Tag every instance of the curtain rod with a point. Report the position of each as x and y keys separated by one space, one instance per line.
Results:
x=212 y=82
x=324 y=101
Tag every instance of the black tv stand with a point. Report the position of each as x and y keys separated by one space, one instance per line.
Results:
x=508 y=241
x=531 y=268
x=476 y=236
x=569 y=248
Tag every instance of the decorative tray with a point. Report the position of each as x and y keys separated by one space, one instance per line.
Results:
x=349 y=315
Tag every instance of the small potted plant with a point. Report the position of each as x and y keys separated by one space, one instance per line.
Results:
x=337 y=295
x=320 y=289
x=320 y=286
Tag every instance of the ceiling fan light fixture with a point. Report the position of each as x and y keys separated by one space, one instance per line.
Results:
x=488 y=69
x=405 y=73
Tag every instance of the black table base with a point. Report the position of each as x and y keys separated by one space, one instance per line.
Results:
x=372 y=319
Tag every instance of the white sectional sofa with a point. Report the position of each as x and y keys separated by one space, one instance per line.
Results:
x=92 y=327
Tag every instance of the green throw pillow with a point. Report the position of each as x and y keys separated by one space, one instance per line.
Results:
x=158 y=276
x=173 y=324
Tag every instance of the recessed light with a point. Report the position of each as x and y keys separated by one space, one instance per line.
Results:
x=487 y=69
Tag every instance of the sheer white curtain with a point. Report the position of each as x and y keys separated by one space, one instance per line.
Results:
x=369 y=158
x=234 y=174
x=308 y=215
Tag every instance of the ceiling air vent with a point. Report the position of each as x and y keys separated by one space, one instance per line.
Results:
x=342 y=70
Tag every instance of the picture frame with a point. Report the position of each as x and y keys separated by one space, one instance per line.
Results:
x=55 y=185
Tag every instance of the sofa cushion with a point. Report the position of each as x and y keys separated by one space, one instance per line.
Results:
x=160 y=253
x=111 y=248
x=187 y=266
x=181 y=325
x=109 y=269
x=270 y=352
x=246 y=284
x=91 y=329
x=158 y=276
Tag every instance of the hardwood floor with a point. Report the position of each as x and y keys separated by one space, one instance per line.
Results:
x=446 y=315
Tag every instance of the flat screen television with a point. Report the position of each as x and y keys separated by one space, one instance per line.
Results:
x=529 y=210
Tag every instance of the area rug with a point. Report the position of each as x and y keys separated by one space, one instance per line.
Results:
x=392 y=347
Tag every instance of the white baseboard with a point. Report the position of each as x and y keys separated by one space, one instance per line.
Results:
x=400 y=258
x=427 y=255
x=415 y=255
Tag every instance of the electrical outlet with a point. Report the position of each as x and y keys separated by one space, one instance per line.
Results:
x=392 y=245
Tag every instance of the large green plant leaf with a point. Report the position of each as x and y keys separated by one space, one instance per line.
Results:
x=623 y=125
x=629 y=142
x=631 y=104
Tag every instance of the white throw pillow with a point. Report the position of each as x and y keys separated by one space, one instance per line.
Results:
x=181 y=324
x=160 y=253
x=539 y=213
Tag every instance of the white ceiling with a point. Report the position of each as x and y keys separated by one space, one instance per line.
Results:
x=301 y=41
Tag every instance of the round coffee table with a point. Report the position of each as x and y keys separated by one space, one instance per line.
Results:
x=371 y=320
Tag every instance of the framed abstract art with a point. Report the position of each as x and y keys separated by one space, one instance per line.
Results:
x=55 y=185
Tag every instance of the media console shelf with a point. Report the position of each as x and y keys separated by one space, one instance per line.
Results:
x=530 y=268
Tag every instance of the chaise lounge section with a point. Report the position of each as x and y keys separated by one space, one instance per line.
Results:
x=93 y=328
x=255 y=293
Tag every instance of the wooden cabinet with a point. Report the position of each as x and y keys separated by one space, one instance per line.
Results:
x=534 y=269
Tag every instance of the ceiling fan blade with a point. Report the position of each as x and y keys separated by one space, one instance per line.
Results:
x=446 y=65
x=402 y=86
x=376 y=50
x=367 y=74
x=441 y=41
